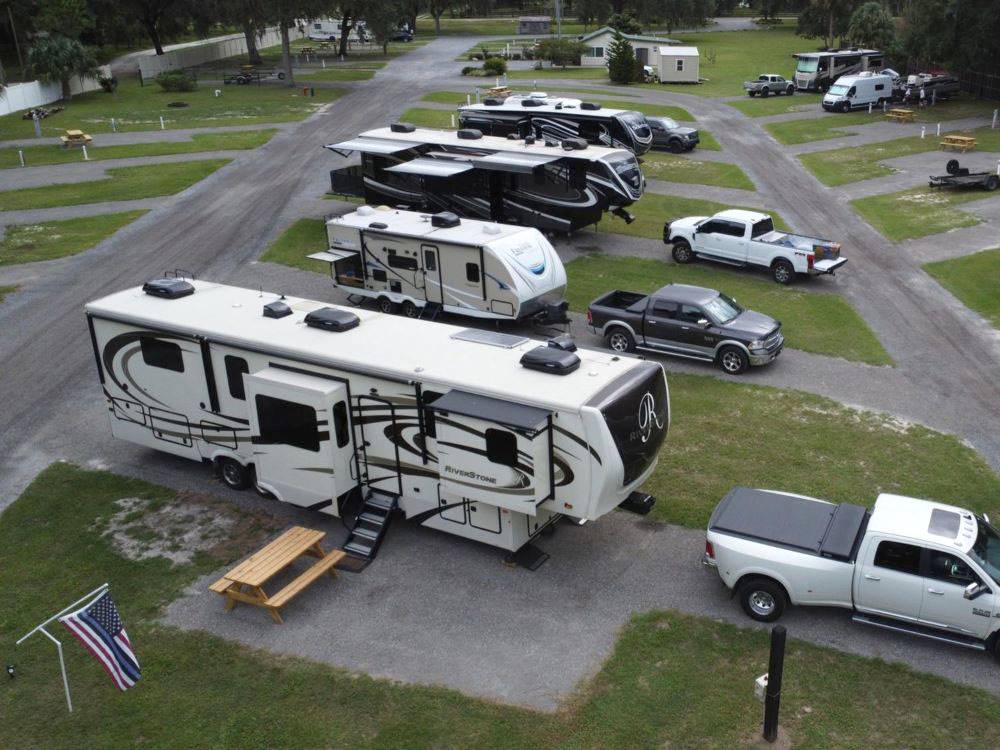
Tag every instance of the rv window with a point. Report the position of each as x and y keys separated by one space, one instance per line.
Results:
x=287 y=423
x=501 y=447
x=430 y=260
x=236 y=368
x=880 y=87
x=159 y=353
x=378 y=274
x=472 y=272
x=340 y=425
x=402 y=261
x=430 y=417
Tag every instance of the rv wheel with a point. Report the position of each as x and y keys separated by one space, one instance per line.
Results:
x=234 y=475
x=620 y=340
x=410 y=310
x=386 y=305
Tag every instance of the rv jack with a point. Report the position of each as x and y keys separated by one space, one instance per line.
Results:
x=621 y=213
x=638 y=502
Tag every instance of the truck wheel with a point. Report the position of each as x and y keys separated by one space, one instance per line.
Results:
x=682 y=252
x=763 y=599
x=410 y=310
x=386 y=305
x=782 y=271
x=992 y=182
x=845 y=107
x=751 y=93
x=675 y=146
x=234 y=475
x=996 y=647
x=620 y=340
x=733 y=360
x=790 y=90
x=765 y=92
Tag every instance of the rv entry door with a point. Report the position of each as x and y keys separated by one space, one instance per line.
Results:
x=302 y=446
x=432 y=273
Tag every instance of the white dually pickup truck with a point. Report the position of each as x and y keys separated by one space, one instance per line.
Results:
x=748 y=238
x=908 y=565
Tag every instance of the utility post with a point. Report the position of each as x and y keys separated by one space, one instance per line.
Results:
x=772 y=693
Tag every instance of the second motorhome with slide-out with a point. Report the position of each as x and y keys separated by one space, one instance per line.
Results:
x=817 y=71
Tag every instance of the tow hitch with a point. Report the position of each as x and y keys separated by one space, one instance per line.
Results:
x=638 y=502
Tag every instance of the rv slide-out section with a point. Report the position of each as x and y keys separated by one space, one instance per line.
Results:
x=407 y=260
x=485 y=435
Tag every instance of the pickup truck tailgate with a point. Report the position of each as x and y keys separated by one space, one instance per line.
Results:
x=828 y=266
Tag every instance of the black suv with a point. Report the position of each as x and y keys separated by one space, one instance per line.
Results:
x=687 y=321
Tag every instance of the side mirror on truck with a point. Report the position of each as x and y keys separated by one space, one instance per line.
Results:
x=973 y=590
x=704 y=322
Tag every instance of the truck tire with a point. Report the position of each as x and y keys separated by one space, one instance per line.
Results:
x=386 y=305
x=675 y=146
x=763 y=599
x=733 y=360
x=790 y=89
x=765 y=92
x=751 y=93
x=782 y=271
x=620 y=340
x=992 y=182
x=682 y=252
x=845 y=107
x=996 y=647
x=233 y=474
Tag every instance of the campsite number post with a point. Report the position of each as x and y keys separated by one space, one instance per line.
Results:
x=772 y=691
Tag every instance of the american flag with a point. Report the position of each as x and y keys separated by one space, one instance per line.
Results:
x=98 y=626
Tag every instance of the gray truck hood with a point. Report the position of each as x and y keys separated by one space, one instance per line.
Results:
x=752 y=323
x=683 y=131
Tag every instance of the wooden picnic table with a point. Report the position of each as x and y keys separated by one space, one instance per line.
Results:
x=901 y=115
x=75 y=138
x=245 y=582
x=961 y=143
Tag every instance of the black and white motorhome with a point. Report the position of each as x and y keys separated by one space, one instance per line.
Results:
x=411 y=262
x=559 y=118
x=354 y=413
x=552 y=185
x=817 y=71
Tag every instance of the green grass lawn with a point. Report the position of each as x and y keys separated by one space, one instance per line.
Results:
x=653 y=209
x=777 y=105
x=670 y=679
x=28 y=243
x=844 y=165
x=239 y=140
x=918 y=212
x=664 y=166
x=136 y=107
x=121 y=184
x=974 y=280
x=424 y=117
x=819 y=322
x=303 y=237
x=334 y=74
x=5 y=290
x=571 y=72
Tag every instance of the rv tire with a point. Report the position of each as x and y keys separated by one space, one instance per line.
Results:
x=234 y=475
x=682 y=252
x=620 y=340
x=386 y=305
x=410 y=310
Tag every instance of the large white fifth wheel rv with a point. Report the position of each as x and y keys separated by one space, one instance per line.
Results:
x=354 y=413
x=411 y=261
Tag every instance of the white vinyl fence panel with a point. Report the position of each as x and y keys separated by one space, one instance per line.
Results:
x=21 y=96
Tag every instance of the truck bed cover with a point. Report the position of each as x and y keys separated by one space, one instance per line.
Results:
x=812 y=526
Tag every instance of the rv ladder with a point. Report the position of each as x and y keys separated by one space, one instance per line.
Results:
x=371 y=525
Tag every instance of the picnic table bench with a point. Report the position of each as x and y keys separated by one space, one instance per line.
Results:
x=961 y=143
x=901 y=115
x=245 y=582
x=75 y=138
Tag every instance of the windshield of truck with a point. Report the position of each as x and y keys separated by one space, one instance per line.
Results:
x=667 y=123
x=986 y=550
x=838 y=90
x=807 y=65
x=722 y=309
x=761 y=228
x=625 y=166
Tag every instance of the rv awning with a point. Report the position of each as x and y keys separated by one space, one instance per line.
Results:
x=491 y=409
x=370 y=146
x=513 y=162
x=331 y=256
x=431 y=167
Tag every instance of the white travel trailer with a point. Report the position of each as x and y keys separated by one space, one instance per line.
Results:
x=354 y=413
x=329 y=29
x=857 y=92
x=419 y=263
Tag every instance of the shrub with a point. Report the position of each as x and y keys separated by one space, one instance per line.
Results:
x=108 y=83
x=472 y=70
x=176 y=80
x=495 y=66
x=561 y=51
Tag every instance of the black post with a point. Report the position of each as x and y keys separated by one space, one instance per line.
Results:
x=772 y=695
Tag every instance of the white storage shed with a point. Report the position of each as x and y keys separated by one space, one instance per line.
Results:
x=679 y=64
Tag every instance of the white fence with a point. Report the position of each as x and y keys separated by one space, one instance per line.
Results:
x=198 y=53
x=18 y=96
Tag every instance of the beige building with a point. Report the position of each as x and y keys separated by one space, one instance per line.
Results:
x=678 y=64
x=647 y=48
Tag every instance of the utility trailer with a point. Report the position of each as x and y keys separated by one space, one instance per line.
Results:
x=961 y=177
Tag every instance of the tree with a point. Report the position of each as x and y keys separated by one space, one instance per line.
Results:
x=382 y=19
x=825 y=18
x=284 y=13
x=621 y=61
x=676 y=14
x=958 y=34
x=625 y=23
x=871 y=26
x=156 y=16
x=592 y=11
x=768 y=8
x=437 y=8
x=561 y=52
x=69 y=18
x=56 y=58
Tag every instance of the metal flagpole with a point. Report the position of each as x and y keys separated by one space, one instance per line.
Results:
x=41 y=628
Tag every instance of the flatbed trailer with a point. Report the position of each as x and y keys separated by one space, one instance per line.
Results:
x=961 y=177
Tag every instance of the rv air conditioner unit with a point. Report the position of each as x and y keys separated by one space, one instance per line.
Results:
x=276 y=309
x=589 y=105
x=168 y=288
x=401 y=127
x=331 y=319
x=532 y=102
x=574 y=144
x=445 y=220
x=470 y=134
x=550 y=359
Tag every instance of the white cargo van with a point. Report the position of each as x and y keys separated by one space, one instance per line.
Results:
x=856 y=92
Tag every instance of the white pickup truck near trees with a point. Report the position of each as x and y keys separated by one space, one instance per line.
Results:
x=748 y=238
x=908 y=565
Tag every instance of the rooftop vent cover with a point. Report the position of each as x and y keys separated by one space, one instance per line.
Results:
x=168 y=288
x=470 y=134
x=332 y=319
x=401 y=127
x=564 y=342
x=276 y=309
x=378 y=225
x=532 y=102
x=529 y=139
x=589 y=105
x=445 y=220
x=550 y=359
x=491 y=101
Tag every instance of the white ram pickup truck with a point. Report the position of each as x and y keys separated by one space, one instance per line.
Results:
x=909 y=565
x=748 y=238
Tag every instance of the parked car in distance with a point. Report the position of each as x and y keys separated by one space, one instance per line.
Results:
x=687 y=321
x=669 y=136
x=769 y=83
x=908 y=565
x=401 y=35
x=748 y=238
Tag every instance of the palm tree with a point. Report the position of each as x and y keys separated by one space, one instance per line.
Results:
x=56 y=58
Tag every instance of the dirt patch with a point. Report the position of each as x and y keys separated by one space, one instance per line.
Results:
x=781 y=742
x=184 y=527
